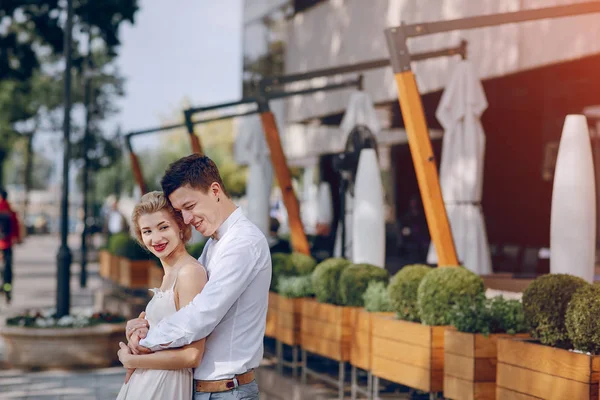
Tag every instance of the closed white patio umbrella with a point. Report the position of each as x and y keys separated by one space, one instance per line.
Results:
x=461 y=169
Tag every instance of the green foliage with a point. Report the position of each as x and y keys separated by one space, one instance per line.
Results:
x=282 y=266
x=487 y=316
x=295 y=286
x=376 y=297
x=303 y=264
x=123 y=245
x=402 y=291
x=582 y=319
x=325 y=280
x=545 y=304
x=355 y=279
x=195 y=249
x=441 y=288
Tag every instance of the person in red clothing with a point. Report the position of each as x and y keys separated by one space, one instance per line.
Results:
x=10 y=234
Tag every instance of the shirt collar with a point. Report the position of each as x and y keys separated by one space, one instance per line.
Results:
x=228 y=223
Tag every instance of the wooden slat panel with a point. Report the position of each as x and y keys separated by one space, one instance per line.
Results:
x=273 y=298
x=289 y=305
x=460 y=389
x=326 y=348
x=409 y=375
x=506 y=394
x=543 y=385
x=360 y=350
x=459 y=367
x=288 y=336
x=323 y=329
x=362 y=321
x=459 y=343
x=395 y=329
x=549 y=360
x=323 y=312
x=438 y=334
x=402 y=352
x=271 y=327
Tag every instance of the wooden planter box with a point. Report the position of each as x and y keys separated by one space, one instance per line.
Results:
x=155 y=276
x=271 y=327
x=115 y=268
x=470 y=365
x=104 y=258
x=408 y=353
x=360 y=347
x=134 y=274
x=326 y=329
x=528 y=370
x=288 y=320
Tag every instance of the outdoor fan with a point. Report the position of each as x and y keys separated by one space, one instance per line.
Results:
x=346 y=163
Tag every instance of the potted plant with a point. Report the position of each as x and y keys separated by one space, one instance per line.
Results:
x=294 y=279
x=40 y=340
x=115 y=243
x=409 y=349
x=470 y=346
x=134 y=264
x=560 y=361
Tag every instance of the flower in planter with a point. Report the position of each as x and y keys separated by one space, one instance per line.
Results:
x=441 y=288
x=402 y=291
x=354 y=281
x=376 y=297
x=326 y=278
x=582 y=319
x=545 y=304
x=47 y=319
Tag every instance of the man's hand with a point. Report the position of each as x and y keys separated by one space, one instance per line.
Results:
x=138 y=325
x=134 y=345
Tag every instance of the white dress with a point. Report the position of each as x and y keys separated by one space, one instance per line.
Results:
x=154 y=384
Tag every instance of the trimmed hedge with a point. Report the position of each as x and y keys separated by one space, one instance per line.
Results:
x=326 y=279
x=355 y=279
x=123 y=245
x=195 y=249
x=402 y=291
x=295 y=286
x=545 y=303
x=376 y=298
x=582 y=319
x=282 y=266
x=303 y=264
x=442 y=288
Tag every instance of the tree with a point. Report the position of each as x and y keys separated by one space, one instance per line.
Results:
x=42 y=167
x=33 y=24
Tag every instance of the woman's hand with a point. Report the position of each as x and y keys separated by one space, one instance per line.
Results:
x=124 y=354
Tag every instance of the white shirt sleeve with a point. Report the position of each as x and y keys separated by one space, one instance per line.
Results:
x=233 y=270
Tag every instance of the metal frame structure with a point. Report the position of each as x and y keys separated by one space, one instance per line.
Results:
x=414 y=117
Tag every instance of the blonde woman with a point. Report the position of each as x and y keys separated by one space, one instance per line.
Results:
x=165 y=374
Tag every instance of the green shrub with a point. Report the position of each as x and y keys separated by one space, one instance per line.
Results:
x=376 y=297
x=117 y=241
x=402 y=291
x=486 y=316
x=282 y=266
x=441 y=288
x=545 y=304
x=195 y=249
x=302 y=263
x=326 y=280
x=295 y=286
x=354 y=281
x=582 y=319
x=123 y=245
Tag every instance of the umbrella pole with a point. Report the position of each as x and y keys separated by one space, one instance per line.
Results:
x=421 y=150
x=284 y=178
x=194 y=139
x=135 y=166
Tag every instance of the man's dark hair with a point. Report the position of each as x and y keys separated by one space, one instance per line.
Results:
x=197 y=171
x=3 y=194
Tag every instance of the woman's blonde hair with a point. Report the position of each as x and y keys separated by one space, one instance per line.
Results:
x=154 y=202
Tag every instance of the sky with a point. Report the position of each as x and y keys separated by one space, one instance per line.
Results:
x=175 y=50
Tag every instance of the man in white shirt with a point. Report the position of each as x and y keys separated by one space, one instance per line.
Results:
x=230 y=312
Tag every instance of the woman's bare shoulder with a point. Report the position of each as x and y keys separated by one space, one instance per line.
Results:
x=192 y=270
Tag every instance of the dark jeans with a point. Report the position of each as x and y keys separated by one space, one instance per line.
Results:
x=7 y=274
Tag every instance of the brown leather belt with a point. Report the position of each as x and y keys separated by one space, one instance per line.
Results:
x=224 y=385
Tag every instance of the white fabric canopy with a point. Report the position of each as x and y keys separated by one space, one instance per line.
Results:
x=251 y=149
x=461 y=169
x=367 y=244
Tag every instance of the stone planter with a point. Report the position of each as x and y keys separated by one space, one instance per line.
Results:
x=69 y=348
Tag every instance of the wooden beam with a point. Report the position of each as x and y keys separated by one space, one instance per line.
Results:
x=284 y=178
x=425 y=168
x=137 y=172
